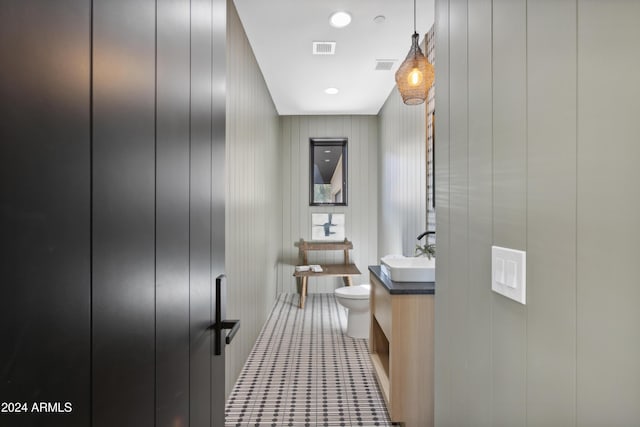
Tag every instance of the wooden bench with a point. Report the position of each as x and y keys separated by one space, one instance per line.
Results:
x=345 y=270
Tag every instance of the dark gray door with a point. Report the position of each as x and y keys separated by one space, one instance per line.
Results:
x=45 y=181
x=111 y=211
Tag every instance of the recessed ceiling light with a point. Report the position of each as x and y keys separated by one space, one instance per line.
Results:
x=327 y=151
x=327 y=160
x=340 y=19
x=379 y=19
x=331 y=91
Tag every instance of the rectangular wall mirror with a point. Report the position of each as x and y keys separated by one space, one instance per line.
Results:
x=328 y=172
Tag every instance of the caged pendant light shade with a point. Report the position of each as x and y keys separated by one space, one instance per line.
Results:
x=415 y=75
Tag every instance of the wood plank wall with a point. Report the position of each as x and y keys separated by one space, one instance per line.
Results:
x=253 y=195
x=537 y=150
x=403 y=190
x=112 y=216
x=404 y=207
x=361 y=214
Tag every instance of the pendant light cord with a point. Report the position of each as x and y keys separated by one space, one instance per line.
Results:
x=414 y=16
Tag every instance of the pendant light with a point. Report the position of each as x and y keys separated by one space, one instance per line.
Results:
x=416 y=75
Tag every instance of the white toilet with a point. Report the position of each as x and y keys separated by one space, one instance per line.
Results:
x=356 y=300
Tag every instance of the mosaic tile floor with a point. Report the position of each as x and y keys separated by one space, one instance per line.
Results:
x=304 y=371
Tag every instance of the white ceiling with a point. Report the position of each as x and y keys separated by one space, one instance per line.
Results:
x=281 y=33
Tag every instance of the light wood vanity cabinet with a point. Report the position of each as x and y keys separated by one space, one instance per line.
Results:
x=401 y=347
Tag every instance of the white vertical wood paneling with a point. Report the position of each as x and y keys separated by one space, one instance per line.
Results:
x=548 y=93
x=360 y=214
x=444 y=403
x=252 y=198
x=509 y=62
x=480 y=212
x=551 y=187
x=608 y=229
x=402 y=176
x=457 y=315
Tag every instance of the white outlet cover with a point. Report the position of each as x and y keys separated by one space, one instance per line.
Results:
x=509 y=273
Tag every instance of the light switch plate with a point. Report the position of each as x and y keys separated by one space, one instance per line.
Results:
x=509 y=273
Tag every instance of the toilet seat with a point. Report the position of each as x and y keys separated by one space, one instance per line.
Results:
x=354 y=292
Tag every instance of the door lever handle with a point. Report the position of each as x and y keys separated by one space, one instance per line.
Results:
x=234 y=325
x=220 y=324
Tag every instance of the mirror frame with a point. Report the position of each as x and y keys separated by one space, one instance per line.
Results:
x=336 y=142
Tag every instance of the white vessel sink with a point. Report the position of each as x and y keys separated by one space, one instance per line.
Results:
x=409 y=269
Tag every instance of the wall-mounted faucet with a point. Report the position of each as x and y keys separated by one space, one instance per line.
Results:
x=429 y=249
x=424 y=234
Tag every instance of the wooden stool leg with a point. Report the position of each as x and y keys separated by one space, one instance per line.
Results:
x=303 y=291
x=347 y=280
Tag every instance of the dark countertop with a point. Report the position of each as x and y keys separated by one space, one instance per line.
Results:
x=399 y=288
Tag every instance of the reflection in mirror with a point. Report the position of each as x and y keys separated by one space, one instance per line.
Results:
x=328 y=168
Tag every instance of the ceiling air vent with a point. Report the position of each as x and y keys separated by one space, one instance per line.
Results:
x=324 y=48
x=384 y=64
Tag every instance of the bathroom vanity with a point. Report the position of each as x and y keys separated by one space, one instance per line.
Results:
x=401 y=346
